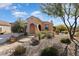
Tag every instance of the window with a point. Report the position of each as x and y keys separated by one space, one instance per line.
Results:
x=46 y=27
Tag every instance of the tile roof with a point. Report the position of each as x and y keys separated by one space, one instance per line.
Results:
x=33 y=17
x=4 y=23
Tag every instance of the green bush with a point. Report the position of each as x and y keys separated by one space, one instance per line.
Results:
x=50 y=51
x=41 y=35
x=19 y=51
x=25 y=33
x=49 y=35
x=57 y=32
x=43 y=32
x=77 y=34
x=65 y=32
x=12 y=39
x=65 y=41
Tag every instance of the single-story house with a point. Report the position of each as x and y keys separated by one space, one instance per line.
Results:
x=5 y=27
x=35 y=25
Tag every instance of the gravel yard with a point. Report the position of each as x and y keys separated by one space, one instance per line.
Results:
x=8 y=49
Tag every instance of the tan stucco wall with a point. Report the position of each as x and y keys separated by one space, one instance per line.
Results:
x=50 y=26
x=38 y=22
x=34 y=21
x=6 y=29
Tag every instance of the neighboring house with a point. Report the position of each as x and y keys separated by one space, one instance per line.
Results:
x=5 y=27
x=35 y=25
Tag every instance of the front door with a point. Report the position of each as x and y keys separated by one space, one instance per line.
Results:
x=32 y=28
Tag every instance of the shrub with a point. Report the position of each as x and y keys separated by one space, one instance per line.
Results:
x=43 y=32
x=25 y=33
x=34 y=41
x=50 y=51
x=65 y=41
x=65 y=32
x=12 y=39
x=19 y=51
x=77 y=34
x=49 y=35
x=59 y=47
x=41 y=35
x=57 y=32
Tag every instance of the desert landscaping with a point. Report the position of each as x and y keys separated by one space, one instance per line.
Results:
x=8 y=49
x=49 y=29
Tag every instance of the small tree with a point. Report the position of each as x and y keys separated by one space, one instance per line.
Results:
x=66 y=12
x=19 y=26
x=61 y=28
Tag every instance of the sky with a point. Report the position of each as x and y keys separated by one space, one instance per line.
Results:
x=11 y=11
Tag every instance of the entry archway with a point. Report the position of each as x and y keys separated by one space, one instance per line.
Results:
x=39 y=27
x=32 y=28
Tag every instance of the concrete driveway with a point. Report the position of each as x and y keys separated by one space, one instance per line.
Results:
x=5 y=37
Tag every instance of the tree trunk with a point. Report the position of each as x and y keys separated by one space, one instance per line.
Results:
x=75 y=49
x=65 y=53
x=72 y=38
x=66 y=50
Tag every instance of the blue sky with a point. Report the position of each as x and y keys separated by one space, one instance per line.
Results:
x=10 y=12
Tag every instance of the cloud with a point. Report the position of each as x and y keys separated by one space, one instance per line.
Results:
x=5 y=5
x=19 y=14
x=37 y=14
x=8 y=6
x=16 y=12
x=14 y=8
x=27 y=4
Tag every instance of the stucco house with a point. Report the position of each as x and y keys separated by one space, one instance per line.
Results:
x=35 y=25
x=5 y=27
